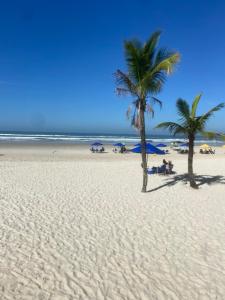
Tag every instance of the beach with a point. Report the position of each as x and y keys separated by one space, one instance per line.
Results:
x=74 y=225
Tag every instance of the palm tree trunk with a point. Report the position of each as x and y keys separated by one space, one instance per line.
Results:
x=143 y=149
x=190 y=162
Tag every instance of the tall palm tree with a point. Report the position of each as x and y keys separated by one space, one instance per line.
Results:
x=148 y=68
x=191 y=124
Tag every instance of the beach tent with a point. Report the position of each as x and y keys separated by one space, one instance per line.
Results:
x=161 y=145
x=150 y=149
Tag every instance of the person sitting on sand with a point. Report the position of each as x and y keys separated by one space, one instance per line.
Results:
x=163 y=167
x=170 y=167
x=165 y=162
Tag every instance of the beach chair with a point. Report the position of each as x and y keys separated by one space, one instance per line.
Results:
x=153 y=170
x=150 y=171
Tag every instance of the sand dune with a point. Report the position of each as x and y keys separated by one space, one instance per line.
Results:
x=74 y=226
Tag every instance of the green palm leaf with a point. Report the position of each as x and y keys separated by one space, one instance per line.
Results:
x=183 y=109
x=156 y=76
x=195 y=105
x=172 y=127
x=209 y=114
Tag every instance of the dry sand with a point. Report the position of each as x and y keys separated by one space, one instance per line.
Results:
x=74 y=225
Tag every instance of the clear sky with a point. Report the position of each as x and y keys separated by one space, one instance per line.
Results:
x=57 y=60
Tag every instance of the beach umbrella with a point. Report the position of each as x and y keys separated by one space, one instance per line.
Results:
x=183 y=148
x=96 y=144
x=204 y=146
x=184 y=145
x=161 y=145
x=118 y=145
x=150 y=149
x=139 y=144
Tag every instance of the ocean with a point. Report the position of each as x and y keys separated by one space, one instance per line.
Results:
x=75 y=138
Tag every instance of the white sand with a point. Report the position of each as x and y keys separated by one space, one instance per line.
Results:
x=74 y=225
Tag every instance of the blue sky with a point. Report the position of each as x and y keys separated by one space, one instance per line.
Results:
x=57 y=60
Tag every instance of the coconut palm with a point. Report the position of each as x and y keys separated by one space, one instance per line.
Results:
x=148 y=68
x=191 y=124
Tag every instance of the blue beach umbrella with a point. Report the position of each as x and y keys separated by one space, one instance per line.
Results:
x=139 y=144
x=161 y=145
x=96 y=144
x=118 y=145
x=184 y=145
x=150 y=149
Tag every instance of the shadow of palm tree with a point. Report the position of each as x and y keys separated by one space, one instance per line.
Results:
x=200 y=180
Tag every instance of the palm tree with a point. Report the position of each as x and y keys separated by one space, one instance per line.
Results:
x=191 y=124
x=148 y=68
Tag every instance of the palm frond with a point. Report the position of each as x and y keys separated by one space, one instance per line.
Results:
x=162 y=54
x=150 y=47
x=150 y=110
x=122 y=91
x=124 y=84
x=195 y=105
x=213 y=135
x=153 y=82
x=183 y=109
x=135 y=122
x=150 y=104
x=133 y=51
x=172 y=127
x=156 y=101
x=167 y=64
x=128 y=112
x=154 y=78
x=209 y=134
x=207 y=115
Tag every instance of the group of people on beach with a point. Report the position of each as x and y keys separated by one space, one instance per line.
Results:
x=165 y=168
x=93 y=150
x=207 y=151
x=121 y=150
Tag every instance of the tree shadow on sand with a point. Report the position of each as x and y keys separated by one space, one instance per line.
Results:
x=200 y=180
